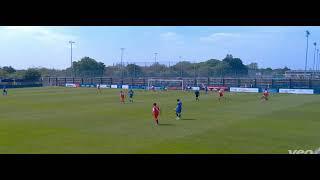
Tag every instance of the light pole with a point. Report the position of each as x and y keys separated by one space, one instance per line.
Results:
x=122 y=49
x=71 y=42
x=305 y=67
x=317 y=60
x=155 y=58
x=314 y=56
x=155 y=63
x=180 y=66
x=195 y=73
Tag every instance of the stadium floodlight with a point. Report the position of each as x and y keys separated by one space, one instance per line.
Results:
x=317 y=61
x=171 y=83
x=71 y=42
x=155 y=62
x=194 y=66
x=155 y=58
x=314 y=56
x=180 y=66
x=122 y=49
x=305 y=67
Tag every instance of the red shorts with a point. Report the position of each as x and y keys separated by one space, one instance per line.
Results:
x=155 y=115
x=221 y=95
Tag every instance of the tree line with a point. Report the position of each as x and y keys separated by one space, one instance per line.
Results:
x=89 y=67
x=31 y=74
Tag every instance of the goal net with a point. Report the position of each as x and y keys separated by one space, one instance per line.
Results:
x=165 y=84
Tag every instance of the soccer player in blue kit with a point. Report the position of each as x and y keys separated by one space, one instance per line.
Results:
x=178 y=109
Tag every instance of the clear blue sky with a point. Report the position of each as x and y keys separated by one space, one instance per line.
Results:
x=23 y=46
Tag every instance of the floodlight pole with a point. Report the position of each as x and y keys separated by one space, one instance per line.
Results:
x=155 y=58
x=71 y=42
x=305 y=67
x=317 y=59
x=155 y=62
x=314 y=56
x=122 y=49
x=318 y=62
x=180 y=67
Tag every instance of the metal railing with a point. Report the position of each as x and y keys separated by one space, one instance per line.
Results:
x=207 y=81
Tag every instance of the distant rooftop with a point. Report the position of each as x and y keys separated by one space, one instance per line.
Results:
x=302 y=71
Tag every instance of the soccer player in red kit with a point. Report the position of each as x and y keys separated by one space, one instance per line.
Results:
x=221 y=94
x=122 y=97
x=155 y=113
x=265 y=94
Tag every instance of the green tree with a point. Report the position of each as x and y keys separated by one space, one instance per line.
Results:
x=3 y=73
x=156 y=69
x=236 y=66
x=134 y=70
x=32 y=75
x=212 y=62
x=184 y=68
x=88 y=67
x=221 y=69
x=8 y=69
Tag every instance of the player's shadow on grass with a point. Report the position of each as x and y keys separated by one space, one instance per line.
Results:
x=187 y=119
x=166 y=124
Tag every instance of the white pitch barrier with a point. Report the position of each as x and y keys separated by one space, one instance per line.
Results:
x=195 y=88
x=296 y=91
x=103 y=86
x=71 y=85
x=236 y=89
x=125 y=86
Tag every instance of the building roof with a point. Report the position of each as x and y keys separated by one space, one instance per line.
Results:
x=302 y=71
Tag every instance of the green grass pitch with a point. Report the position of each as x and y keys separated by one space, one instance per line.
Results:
x=78 y=120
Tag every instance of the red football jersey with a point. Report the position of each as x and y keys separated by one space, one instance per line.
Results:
x=155 y=110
